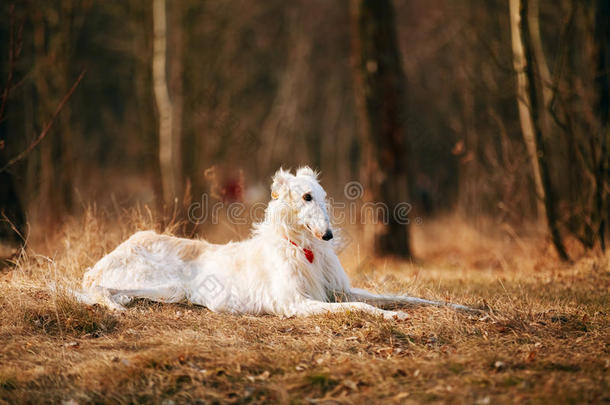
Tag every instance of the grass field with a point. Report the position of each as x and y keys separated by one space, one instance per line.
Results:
x=545 y=340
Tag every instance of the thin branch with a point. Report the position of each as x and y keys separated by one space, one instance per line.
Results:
x=47 y=126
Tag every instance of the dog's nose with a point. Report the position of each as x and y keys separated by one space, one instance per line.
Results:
x=328 y=235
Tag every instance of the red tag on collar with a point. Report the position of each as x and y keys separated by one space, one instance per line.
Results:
x=308 y=252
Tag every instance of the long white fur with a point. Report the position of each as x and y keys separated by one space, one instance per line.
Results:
x=265 y=274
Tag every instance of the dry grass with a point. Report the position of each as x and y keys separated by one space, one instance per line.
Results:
x=545 y=342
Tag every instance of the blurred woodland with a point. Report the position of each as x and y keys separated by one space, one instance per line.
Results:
x=453 y=106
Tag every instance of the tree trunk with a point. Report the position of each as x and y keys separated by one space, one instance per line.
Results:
x=167 y=145
x=602 y=37
x=283 y=121
x=382 y=83
x=52 y=67
x=542 y=67
x=176 y=80
x=534 y=99
x=527 y=127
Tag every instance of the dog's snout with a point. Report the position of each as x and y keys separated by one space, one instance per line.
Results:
x=328 y=235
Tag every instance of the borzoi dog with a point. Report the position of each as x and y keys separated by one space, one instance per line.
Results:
x=288 y=267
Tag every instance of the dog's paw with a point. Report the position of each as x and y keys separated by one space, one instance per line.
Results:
x=396 y=315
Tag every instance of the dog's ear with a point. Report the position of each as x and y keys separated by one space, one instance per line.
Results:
x=307 y=171
x=279 y=187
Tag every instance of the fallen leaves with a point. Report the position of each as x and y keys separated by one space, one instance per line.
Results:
x=531 y=356
x=72 y=345
x=261 y=377
x=500 y=365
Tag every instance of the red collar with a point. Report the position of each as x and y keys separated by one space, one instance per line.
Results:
x=308 y=252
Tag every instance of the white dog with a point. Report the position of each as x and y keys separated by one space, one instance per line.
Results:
x=288 y=267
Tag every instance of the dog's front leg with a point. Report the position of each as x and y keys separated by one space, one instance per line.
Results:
x=394 y=301
x=311 y=307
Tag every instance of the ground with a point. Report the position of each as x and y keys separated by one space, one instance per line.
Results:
x=545 y=338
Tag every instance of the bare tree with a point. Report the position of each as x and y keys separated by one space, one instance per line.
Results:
x=12 y=211
x=527 y=126
x=382 y=82
x=602 y=38
x=176 y=69
x=531 y=102
x=54 y=29
x=284 y=118
x=168 y=146
x=12 y=214
x=543 y=71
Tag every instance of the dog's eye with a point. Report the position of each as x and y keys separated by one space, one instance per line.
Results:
x=307 y=197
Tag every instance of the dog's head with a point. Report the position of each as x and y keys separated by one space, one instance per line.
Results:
x=303 y=201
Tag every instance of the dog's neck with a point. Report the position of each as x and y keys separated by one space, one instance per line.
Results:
x=307 y=259
x=309 y=255
x=319 y=277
